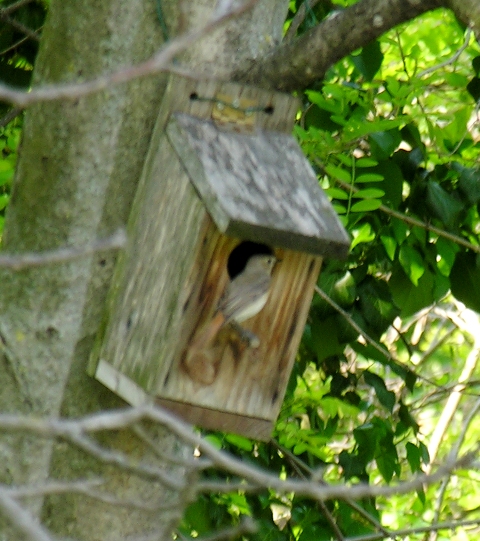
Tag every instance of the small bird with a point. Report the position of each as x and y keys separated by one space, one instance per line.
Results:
x=243 y=298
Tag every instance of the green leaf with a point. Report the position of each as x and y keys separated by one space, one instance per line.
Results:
x=369 y=193
x=4 y=199
x=239 y=441
x=413 y=457
x=383 y=130
x=442 y=204
x=387 y=460
x=361 y=234
x=339 y=209
x=465 y=280
x=368 y=177
x=337 y=193
x=369 y=60
x=384 y=143
x=469 y=182
x=338 y=172
x=366 y=205
x=408 y=297
x=385 y=397
x=406 y=417
x=366 y=162
x=198 y=517
x=390 y=245
x=413 y=264
x=353 y=466
x=476 y=65
x=473 y=88
x=375 y=303
x=424 y=452
x=446 y=251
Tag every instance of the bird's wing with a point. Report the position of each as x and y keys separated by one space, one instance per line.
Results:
x=241 y=292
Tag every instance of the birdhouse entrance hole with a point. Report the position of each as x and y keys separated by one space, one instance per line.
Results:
x=242 y=253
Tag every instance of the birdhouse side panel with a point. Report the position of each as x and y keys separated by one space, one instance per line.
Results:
x=149 y=287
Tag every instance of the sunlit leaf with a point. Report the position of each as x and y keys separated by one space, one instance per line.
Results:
x=412 y=262
x=338 y=172
x=368 y=177
x=366 y=205
x=369 y=193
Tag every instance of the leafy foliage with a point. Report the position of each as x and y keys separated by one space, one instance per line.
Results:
x=392 y=132
x=18 y=49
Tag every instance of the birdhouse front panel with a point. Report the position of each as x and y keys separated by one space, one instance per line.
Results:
x=247 y=381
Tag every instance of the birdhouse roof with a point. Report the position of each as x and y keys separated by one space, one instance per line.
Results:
x=258 y=186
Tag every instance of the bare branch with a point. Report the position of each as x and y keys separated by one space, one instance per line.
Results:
x=192 y=463
x=61 y=255
x=453 y=525
x=418 y=223
x=50 y=487
x=20 y=27
x=160 y=62
x=73 y=429
x=13 y=113
x=13 y=7
x=22 y=520
x=121 y=460
x=459 y=442
x=296 y=64
x=453 y=401
x=299 y=18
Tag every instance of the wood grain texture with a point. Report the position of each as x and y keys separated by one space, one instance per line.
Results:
x=246 y=382
x=258 y=186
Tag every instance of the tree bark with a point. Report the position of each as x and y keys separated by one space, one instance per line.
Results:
x=75 y=180
x=297 y=64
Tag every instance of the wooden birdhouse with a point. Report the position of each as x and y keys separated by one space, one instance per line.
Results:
x=224 y=180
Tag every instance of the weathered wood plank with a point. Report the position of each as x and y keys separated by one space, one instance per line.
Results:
x=258 y=187
x=247 y=381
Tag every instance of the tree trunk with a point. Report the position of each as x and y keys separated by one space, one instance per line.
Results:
x=76 y=177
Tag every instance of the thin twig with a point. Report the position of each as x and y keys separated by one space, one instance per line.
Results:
x=299 y=18
x=456 y=450
x=20 y=27
x=22 y=520
x=14 y=45
x=354 y=505
x=191 y=463
x=122 y=461
x=355 y=325
x=114 y=420
x=61 y=255
x=450 y=60
x=418 y=223
x=86 y=488
x=13 y=113
x=13 y=7
x=419 y=529
x=453 y=401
